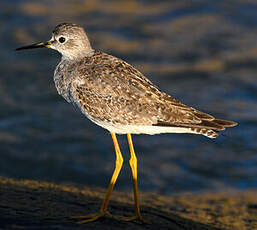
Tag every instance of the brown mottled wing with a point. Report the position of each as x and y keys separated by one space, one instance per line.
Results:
x=111 y=90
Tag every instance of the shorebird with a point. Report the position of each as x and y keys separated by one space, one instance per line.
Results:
x=119 y=98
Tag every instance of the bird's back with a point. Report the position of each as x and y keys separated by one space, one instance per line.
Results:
x=118 y=97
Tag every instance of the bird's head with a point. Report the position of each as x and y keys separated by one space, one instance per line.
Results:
x=68 y=39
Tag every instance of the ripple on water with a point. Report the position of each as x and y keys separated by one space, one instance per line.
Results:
x=196 y=51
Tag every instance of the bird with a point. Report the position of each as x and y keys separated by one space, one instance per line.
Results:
x=119 y=98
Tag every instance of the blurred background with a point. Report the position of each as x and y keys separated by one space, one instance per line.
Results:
x=204 y=53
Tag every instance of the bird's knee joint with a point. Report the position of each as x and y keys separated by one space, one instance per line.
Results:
x=133 y=161
x=119 y=161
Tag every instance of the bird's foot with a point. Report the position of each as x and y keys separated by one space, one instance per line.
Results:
x=91 y=217
x=136 y=218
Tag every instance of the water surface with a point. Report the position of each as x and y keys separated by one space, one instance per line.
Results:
x=204 y=53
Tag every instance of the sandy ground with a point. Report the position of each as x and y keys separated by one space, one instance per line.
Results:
x=26 y=204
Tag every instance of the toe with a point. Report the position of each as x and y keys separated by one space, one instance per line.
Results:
x=136 y=218
x=90 y=217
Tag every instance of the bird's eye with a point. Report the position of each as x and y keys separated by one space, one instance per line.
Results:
x=62 y=39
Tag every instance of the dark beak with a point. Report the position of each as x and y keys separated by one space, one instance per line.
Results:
x=36 y=45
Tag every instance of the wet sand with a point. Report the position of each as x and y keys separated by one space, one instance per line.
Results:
x=27 y=204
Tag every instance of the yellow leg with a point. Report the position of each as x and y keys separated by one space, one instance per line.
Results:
x=119 y=163
x=133 y=165
x=118 y=166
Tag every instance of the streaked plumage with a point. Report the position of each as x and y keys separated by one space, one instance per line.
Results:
x=119 y=98
x=116 y=96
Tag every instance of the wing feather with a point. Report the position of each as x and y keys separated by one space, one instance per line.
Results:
x=110 y=89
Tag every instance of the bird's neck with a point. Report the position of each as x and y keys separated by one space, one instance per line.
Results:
x=78 y=56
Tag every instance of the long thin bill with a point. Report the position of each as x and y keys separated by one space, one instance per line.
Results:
x=36 y=45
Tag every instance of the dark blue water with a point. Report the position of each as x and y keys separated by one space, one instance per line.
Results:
x=204 y=53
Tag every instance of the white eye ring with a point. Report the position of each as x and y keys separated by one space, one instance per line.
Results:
x=62 y=39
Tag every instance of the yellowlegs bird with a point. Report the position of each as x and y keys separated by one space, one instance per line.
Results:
x=119 y=98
